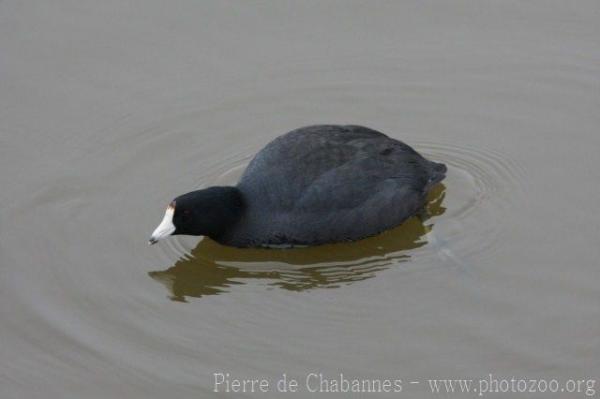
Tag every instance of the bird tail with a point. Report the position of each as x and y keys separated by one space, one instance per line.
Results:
x=437 y=173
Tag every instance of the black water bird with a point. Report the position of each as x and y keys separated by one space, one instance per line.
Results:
x=314 y=185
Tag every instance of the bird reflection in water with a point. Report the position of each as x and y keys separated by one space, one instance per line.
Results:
x=213 y=268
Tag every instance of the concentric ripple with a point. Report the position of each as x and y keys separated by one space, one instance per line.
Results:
x=467 y=210
x=482 y=187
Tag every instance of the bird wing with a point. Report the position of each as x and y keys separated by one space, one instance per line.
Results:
x=304 y=164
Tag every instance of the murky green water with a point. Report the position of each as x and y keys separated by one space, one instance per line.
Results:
x=110 y=109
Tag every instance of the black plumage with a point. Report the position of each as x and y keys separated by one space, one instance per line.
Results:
x=315 y=185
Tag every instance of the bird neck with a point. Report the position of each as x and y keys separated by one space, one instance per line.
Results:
x=223 y=209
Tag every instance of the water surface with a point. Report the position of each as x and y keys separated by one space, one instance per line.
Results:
x=108 y=110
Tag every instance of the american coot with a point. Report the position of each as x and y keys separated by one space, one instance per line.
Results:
x=313 y=185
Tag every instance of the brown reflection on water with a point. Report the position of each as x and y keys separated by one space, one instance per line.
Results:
x=213 y=268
